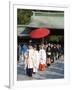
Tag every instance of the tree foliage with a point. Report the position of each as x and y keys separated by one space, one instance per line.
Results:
x=23 y=16
x=55 y=38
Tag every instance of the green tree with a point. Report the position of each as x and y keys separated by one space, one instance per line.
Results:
x=56 y=38
x=23 y=16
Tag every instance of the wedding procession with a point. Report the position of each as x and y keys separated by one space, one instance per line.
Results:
x=40 y=44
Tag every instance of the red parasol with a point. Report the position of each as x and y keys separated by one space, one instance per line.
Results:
x=39 y=33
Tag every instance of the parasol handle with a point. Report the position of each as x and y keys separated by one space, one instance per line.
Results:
x=43 y=40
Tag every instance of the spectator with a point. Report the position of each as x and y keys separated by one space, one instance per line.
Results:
x=25 y=58
x=48 y=52
x=52 y=53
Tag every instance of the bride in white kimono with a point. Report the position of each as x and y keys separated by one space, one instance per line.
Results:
x=36 y=60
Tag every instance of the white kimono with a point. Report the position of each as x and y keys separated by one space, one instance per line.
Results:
x=42 y=56
x=36 y=61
